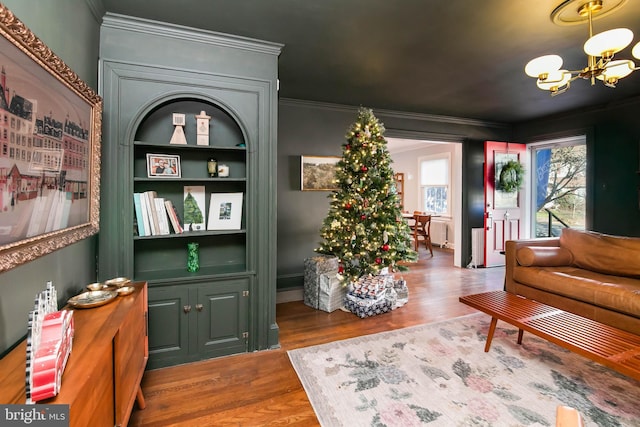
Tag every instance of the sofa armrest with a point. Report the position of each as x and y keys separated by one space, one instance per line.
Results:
x=511 y=247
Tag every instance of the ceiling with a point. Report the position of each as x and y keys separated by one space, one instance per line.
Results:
x=456 y=58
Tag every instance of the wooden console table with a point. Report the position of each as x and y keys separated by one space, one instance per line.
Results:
x=612 y=347
x=101 y=382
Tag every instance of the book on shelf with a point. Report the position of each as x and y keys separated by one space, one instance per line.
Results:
x=161 y=212
x=152 y=212
x=145 y=215
x=150 y=208
x=140 y=216
x=173 y=217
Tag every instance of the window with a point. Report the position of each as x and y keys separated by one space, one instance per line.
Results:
x=434 y=183
x=559 y=185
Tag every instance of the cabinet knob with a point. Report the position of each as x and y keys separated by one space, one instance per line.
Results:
x=186 y=308
x=199 y=307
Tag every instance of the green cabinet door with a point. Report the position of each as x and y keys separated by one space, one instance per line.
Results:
x=222 y=310
x=169 y=316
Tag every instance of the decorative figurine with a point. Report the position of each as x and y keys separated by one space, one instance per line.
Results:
x=178 y=134
x=202 y=128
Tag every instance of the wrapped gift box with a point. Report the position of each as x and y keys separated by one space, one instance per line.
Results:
x=331 y=293
x=367 y=307
x=371 y=286
x=374 y=295
x=314 y=267
x=402 y=292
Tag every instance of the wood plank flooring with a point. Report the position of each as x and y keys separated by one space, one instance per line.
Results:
x=262 y=388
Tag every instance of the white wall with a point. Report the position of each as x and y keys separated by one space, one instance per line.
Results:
x=407 y=162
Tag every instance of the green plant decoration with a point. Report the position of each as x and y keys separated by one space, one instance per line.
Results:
x=193 y=257
x=511 y=177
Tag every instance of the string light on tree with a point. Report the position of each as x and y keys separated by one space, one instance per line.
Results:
x=364 y=228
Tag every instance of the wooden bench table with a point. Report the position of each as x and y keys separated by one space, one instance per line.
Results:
x=612 y=347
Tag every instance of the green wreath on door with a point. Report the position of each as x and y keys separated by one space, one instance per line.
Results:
x=511 y=177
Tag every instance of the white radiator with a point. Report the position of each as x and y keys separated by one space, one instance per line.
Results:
x=439 y=233
x=477 y=247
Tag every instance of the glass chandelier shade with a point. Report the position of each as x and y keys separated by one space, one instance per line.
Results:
x=636 y=51
x=616 y=70
x=543 y=65
x=607 y=43
x=555 y=80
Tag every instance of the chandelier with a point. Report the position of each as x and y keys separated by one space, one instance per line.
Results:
x=600 y=49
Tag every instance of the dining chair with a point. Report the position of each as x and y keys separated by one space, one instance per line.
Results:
x=412 y=221
x=422 y=229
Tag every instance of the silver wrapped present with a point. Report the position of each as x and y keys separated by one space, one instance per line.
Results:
x=402 y=292
x=331 y=293
x=314 y=267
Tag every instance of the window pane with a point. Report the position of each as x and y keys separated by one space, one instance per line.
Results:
x=560 y=188
x=435 y=199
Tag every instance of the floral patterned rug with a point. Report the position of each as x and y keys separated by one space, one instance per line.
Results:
x=439 y=375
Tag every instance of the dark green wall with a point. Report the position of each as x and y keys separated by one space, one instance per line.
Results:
x=306 y=128
x=613 y=142
x=473 y=192
x=71 y=30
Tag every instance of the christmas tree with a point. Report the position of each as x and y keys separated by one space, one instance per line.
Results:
x=192 y=212
x=364 y=228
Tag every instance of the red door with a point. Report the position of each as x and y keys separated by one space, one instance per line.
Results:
x=503 y=211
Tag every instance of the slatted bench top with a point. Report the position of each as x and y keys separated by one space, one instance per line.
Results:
x=612 y=347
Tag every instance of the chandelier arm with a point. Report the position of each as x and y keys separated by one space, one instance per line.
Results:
x=563 y=90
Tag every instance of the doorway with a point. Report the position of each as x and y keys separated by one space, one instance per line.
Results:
x=423 y=194
x=559 y=171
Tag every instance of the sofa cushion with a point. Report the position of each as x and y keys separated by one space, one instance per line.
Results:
x=615 y=293
x=603 y=253
x=543 y=256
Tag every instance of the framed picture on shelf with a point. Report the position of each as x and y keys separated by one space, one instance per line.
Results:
x=163 y=166
x=49 y=196
x=225 y=211
x=317 y=173
x=194 y=208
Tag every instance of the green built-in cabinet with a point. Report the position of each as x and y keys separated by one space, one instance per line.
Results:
x=148 y=72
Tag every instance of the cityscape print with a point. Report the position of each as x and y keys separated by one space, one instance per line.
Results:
x=45 y=149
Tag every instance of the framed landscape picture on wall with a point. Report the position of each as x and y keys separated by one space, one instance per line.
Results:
x=317 y=173
x=50 y=128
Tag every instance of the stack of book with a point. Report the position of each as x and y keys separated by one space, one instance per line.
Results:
x=155 y=215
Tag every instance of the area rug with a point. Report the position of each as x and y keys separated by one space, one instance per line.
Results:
x=439 y=375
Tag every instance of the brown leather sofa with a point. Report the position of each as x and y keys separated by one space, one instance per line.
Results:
x=591 y=274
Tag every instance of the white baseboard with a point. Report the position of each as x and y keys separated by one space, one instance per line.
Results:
x=289 y=296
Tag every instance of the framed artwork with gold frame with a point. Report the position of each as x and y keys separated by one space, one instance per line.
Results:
x=50 y=129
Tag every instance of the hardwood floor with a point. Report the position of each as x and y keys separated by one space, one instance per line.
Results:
x=262 y=388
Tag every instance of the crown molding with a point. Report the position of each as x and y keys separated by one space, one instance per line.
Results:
x=97 y=9
x=167 y=30
x=397 y=114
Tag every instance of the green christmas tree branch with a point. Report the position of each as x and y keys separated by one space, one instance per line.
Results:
x=364 y=228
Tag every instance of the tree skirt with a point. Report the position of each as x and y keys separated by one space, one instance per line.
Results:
x=439 y=375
